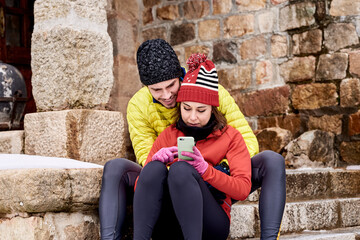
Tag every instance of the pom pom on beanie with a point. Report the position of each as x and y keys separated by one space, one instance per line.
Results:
x=200 y=83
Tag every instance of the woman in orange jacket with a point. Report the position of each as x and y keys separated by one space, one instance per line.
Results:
x=192 y=198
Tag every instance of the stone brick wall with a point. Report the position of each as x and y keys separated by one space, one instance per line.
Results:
x=289 y=64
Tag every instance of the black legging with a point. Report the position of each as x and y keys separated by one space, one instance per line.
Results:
x=268 y=172
x=196 y=210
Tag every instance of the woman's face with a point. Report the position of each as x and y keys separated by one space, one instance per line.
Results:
x=195 y=114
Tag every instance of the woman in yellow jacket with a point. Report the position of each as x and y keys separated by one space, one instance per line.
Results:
x=149 y=112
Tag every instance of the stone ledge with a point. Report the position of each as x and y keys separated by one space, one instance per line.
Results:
x=57 y=185
x=351 y=233
x=322 y=183
x=12 y=142
x=79 y=225
x=88 y=135
x=298 y=216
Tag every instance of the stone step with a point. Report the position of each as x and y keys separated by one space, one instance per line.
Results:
x=350 y=233
x=323 y=183
x=48 y=198
x=298 y=216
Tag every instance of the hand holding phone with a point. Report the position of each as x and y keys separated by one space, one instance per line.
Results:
x=185 y=144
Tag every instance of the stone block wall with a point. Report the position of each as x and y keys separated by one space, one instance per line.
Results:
x=288 y=63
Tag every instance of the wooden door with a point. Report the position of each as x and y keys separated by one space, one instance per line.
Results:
x=16 y=27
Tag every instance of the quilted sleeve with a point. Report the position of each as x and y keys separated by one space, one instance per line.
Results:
x=142 y=134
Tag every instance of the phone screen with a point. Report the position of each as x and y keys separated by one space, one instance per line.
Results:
x=185 y=144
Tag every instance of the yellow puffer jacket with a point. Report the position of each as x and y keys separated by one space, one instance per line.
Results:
x=147 y=120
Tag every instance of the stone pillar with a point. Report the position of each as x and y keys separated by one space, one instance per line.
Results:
x=72 y=55
x=72 y=65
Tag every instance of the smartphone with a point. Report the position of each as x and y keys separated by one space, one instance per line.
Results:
x=185 y=144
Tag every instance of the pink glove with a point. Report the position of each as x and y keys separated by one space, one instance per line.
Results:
x=165 y=155
x=198 y=161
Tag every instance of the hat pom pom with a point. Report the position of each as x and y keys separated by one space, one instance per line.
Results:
x=195 y=60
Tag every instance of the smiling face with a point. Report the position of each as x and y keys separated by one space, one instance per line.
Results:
x=195 y=114
x=165 y=92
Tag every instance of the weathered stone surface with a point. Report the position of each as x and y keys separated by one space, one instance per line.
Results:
x=12 y=142
x=170 y=12
x=235 y=78
x=73 y=225
x=297 y=15
x=290 y=122
x=350 y=212
x=344 y=7
x=312 y=184
x=279 y=46
x=51 y=226
x=350 y=92
x=152 y=33
x=49 y=190
x=87 y=135
x=221 y=6
x=78 y=62
x=243 y=221
x=124 y=40
x=250 y=5
x=312 y=149
x=182 y=33
x=350 y=152
x=253 y=48
x=196 y=9
x=151 y=3
x=196 y=49
x=354 y=63
x=316 y=95
x=31 y=228
x=307 y=42
x=276 y=2
x=344 y=183
x=340 y=35
x=147 y=16
x=264 y=72
x=209 y=29
x=77 y=67
x=124 y=68
x=124 y=10
x=310 y=215
x=93 y=11
x=307 y=184
x=237 y=26
x=264 y=102
x=298 y=69
x=332 y=66
x=326 y=123
x=298 y=216
x=223 y=52
x=274 y=139
x=354 y=124
x=266 y=22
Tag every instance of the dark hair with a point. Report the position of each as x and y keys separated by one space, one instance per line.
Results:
x=220 y=120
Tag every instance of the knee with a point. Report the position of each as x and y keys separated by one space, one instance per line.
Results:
x=115 y=167
x=272 y=161
x=179 y=173
x=153 y=171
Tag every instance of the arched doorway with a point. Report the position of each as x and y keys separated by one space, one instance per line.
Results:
x=16 y=27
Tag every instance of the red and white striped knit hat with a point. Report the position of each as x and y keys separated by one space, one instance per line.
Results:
x=200 y=83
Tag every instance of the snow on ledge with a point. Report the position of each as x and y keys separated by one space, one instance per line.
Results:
x=23 y=161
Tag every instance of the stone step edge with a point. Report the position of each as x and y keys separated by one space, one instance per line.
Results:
x=349 y=233
x=308 y=184
x=298 y=216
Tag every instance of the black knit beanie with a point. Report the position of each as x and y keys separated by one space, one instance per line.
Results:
x=157 y=62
